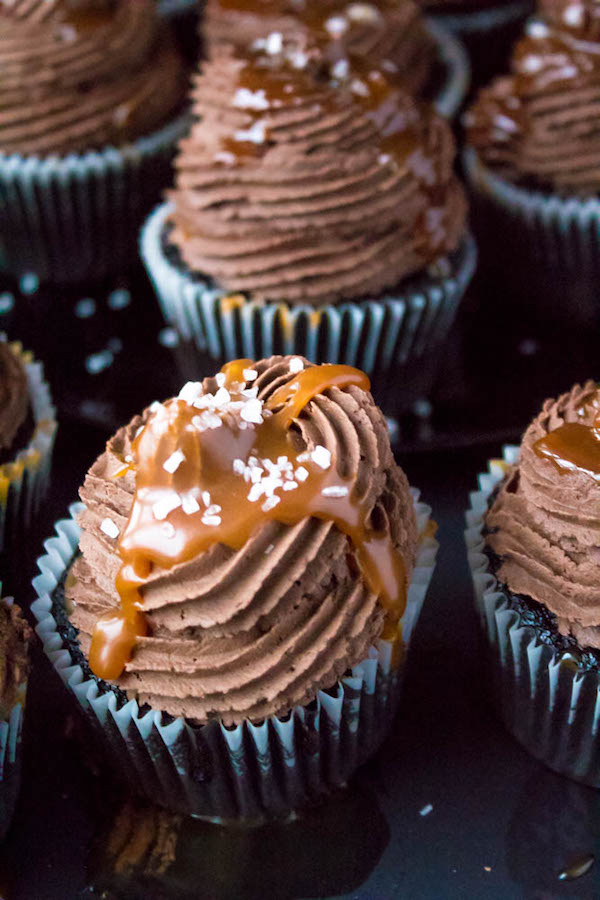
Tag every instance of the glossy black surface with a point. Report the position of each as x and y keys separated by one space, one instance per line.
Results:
x=501 y=825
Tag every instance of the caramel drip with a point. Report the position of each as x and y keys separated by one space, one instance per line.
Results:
x=573 y=446
x=213 y=502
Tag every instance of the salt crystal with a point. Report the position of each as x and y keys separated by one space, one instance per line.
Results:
x=166 y=505
x=335 y=490
x=220 y=378
x=190 y=391
x=290 y=486
x=212 y=521
x=270 y=503
x=301 y=474
x=189 y=504
x=238 y=466
x=109 y=528
x=321 y=456
x=206 y=498
x=296 y=365
x=250 y=374
x=174 y=461
x=252 y=412
x=168 y=529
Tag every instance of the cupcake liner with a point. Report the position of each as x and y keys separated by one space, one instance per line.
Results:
x=455 y=67
x=24 y=481
x=252 y=770
x=550 y=244
x=374 y=335
x=10 y=757
x=476 y=23
x=548 y=702
x=74 y=217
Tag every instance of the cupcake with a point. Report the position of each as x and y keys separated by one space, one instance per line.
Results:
x=27 y=429
x=533 y=166
x=315 y=211
x=92 y=101
x=394 y=35
x=534 y=540
x=233 y=604
x=15 y=636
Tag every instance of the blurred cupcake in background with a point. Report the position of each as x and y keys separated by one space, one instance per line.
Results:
x=92 y=100
x=315 y=211
x=534 y=541
x=533 y=166
x=394 y=35
x=15 y=636
x=251 y=567
x=27 y=430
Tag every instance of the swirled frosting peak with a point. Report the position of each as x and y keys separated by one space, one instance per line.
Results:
x=309 y=182
x=545 y=522
x=80 y=75
x=539 y=125
x=14 y=394
x=245 y=543
x=391 y=32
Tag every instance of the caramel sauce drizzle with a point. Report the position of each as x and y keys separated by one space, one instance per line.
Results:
x=573 y=446
x=212 y=498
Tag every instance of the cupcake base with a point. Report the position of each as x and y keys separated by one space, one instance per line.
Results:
x=72 y=218
x=375 y=335
x=548 y=697
x=250 y=771
x=547 y=263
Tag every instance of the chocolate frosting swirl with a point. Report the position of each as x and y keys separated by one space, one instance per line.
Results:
x=309 y=185
x=539 y=125
x=82 y=75
x=384 y=30
x=14 y=395
x=545 y=524
x=15 y=635
x=251 y=633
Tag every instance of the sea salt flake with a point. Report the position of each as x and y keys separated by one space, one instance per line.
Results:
x=270 y=503
x=109 y=528
x=335 y=490
x=222 y=397
x=247 y=99
x=256 y=134
x=221 y=379
x=206 y=498
x=166 y=505
x=250 y=374
x=290 y=486
x=303 y=457
x=256 y=492
x=296 y=365
x=212 y=521
x=189 y=504
x=321 y=456
x=274 y=43
x=301 y=474
x=174 y=461
x=239 y=466
x=213 y=510
x=252 y=411
x=168 y=529
x=190 y=391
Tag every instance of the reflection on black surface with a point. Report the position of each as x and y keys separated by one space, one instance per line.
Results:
x=555 y=829
x=145 y=853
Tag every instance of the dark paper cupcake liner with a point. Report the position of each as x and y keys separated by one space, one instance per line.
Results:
x=454 y=70
x=250 y=771
x=10 y=756
x=24 y=480
x=549 y=254
x=72 y=218
x=374 y=335
x=547 y=700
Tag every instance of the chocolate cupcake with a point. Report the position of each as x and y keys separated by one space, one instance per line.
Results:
x=533 y=540
x=15 y=636
x=27 y=430
x=533 y=165
x=92 y=101
x=394 y=35
x=251 y=565
x=315 y=211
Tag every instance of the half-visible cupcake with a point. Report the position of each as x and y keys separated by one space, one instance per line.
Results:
x=27 y=429
x=251 y=562
x=15 y=636
x=533 y=165
x=316 y=211
x=393 y=35
x=534 y=541
x=92 y=99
